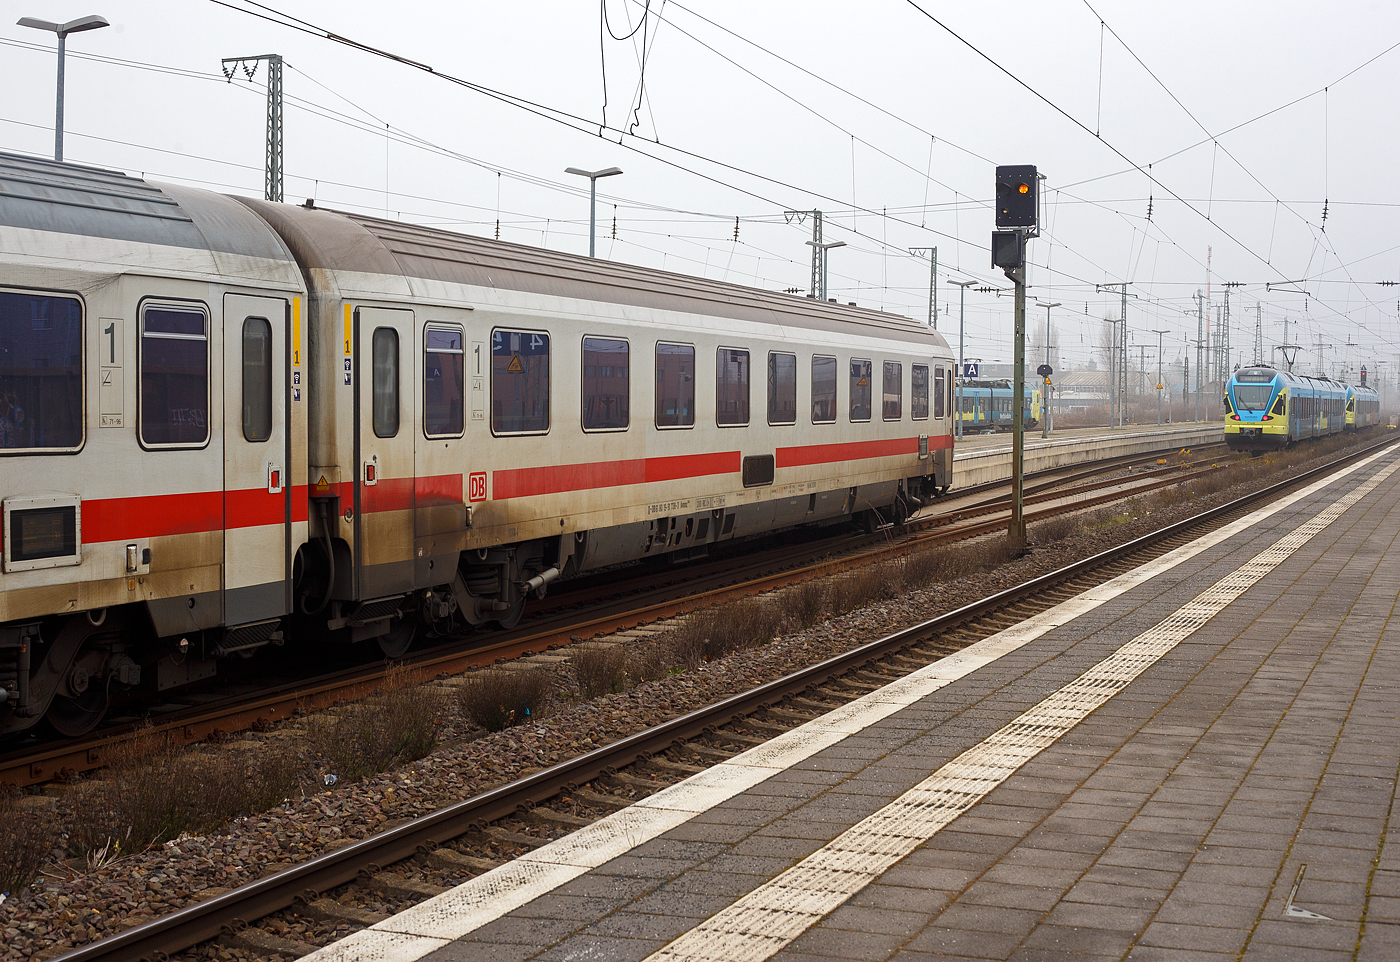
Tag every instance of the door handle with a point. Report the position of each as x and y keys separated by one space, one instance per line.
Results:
x=371 y=470
x=274 y=478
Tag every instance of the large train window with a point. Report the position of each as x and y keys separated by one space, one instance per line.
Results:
x=519 y=382
x=174 y=365
x=731 y=387
x=41 y=372
x=257 y=379
x=918 y=396
x=782 y=388
x=823 y=389
x=860 y=390
x=606 y=384
x=675 y=385
x=444 y=377
x=893 y=399
x=384 y=384
x=940 y=396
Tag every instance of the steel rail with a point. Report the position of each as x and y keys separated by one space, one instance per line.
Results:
x=208 y=919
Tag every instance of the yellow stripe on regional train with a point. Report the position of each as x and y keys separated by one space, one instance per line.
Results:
x=347 y=330
x=296 y=332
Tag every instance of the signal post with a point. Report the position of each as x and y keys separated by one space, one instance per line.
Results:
x=1018 y=210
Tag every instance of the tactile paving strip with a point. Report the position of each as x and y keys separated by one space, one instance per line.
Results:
x=771 y=916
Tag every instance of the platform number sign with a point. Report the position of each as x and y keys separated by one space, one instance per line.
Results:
x=970 y=369
x=476 y=486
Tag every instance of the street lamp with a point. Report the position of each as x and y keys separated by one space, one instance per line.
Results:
x=823 y=248
x=593 y=176
x=63 y=30
x=1159 y=376
x=962 y=306
x=1045 y=395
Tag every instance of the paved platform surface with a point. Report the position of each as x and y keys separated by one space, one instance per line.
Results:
x=1196 y=761
x=977 y=441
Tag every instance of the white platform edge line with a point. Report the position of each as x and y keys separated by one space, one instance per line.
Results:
x=478 y=901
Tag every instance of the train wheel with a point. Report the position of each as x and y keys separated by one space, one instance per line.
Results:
x=509 y=618
x=399 y=639
x=81 y=706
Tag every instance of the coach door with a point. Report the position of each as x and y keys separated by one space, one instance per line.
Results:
x=257 y=520
x=386 y=420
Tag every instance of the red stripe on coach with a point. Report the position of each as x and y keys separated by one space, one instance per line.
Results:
x=796 y=457
x=530 y=482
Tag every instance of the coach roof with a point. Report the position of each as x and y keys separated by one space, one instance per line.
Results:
x=44 y=195
x=333 y=240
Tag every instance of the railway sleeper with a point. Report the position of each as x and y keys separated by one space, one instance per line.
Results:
x=710 y=753
x=628 y=780
x=329 y=910
x=679 y=768
x=591 y=798
x=395 y=886
x=265 y=943
x=771 y=728
x=516 y=838
x=451 y=859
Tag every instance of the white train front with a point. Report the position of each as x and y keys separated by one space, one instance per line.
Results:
x=226 y=423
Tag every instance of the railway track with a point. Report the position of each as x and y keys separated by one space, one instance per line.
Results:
x=416 y=860
x=636 y=601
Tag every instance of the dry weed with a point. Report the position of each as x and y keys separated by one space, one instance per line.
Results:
x=599 y=670
x=496 y=700
x=24 y=846
x=399 y=724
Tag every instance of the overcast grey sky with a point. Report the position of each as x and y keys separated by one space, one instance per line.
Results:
x=871 y=112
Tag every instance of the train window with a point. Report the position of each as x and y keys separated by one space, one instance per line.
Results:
x=782 y=388
x=823 y=390
x=41 y=372
x=606 y=384
x=174 y=376
x=257 y=379
x=731 y=387
x=519 y=382
x=860 y=390
x=918 y=396
x=675 y=385
x=384 y=383
x=893 y=400
x=444 y=376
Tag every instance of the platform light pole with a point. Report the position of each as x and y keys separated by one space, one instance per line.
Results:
x=1047 y=386
x=962 y=312
x=593 y=176
x=1159 y=375
x=821 y=249
x=92 y=22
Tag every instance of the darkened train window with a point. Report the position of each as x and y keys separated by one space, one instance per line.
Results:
x=675 y=385
x=731 y=387
x=782 y=388
x=174 y=376
x=940 y=397
x=444 y=369
x=606 y=384
x=893 y=398
x=385 y=381
x=823 y=390
x=41 y=372
x=519 y=382
x=860 y=390
x=918 y=397
x=257 y=379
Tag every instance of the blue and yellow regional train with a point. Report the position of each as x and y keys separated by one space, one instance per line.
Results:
x=986 y=405
x=1269 y=409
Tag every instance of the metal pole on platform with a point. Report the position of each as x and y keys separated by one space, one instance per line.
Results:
x=1159 y=376
x=1017 y=532
x=1046 y=387
x=962 y=311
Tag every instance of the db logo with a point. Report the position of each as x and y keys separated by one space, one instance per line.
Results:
x=476 y=486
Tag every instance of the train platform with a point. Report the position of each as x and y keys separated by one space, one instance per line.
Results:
x=1196 y=760
x=982 y=458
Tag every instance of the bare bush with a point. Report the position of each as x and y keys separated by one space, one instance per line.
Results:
x=807 y=603
x=599 y=670
x=399 y=724
x=1058 y=528
x=496 y=700
x=712 y=633
x=154 y=790
x=25 y=839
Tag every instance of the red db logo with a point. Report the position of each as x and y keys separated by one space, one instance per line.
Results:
x=476 y=486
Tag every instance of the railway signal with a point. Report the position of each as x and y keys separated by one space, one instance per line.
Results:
x=1018 y=196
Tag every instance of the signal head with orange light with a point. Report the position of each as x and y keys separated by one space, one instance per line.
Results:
x=1018 y=196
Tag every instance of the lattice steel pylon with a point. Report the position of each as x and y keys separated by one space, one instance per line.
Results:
x=1258 y=333
x=272 y=158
